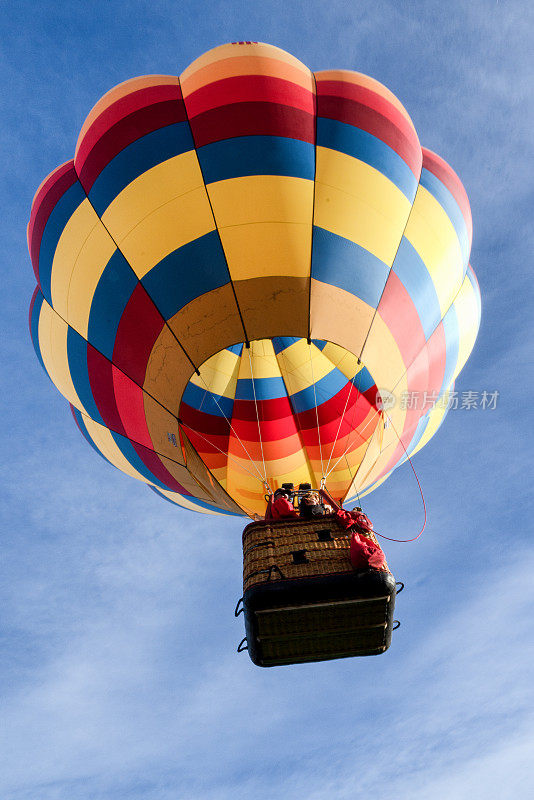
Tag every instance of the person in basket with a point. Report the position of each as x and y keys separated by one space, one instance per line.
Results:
x=282 y=507
x=310 y=506
x=364 y=552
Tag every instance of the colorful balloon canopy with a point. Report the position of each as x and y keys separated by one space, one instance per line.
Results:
x=236 y=269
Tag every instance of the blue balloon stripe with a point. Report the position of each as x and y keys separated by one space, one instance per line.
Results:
x=34 y=327
x=77 y=358
x=363 y=380
x=452 y=339
x=209 y=403
x=196 y=502
x=256 y=155
x=264 y=388
x=130 y=454
x=83 y=428
x=446 y=200
x=281 y=343
x=62 y=212
x=342 y=263
x=418 y=435
x=415 y=277
x=416 y=438
x=476 y=291
x=362 y=145
x=194 y=269
x=235 y=348
x=111 y=296
x=138 y=157
x=320 y=392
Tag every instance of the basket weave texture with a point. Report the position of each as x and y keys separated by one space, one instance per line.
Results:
x=294 y=548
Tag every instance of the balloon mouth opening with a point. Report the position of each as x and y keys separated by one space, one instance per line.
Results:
x=278 y=410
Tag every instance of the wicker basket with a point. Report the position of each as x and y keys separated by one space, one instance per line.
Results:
x=302 y=599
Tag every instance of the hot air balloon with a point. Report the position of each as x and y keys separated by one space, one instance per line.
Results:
x=243 y=274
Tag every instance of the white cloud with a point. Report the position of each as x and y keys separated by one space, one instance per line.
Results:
x=129 y=697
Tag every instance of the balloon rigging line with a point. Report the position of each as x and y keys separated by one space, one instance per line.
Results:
x=341 y=422
x=323 y=476
x=286 y=371
x=224 y=452
x=349 y=469
x=354 y=430
x=420 y=491
x=350 y=444
x=214 y=398
x=258 y=419
x=359 y=433
x=369 y=442
x=338 y=429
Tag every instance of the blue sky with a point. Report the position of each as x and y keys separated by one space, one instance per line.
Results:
x=118 y=671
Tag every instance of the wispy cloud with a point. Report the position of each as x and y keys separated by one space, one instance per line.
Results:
x=143 y=691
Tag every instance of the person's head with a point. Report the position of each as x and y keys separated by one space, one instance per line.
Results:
x=280 y=493
x=311 y=498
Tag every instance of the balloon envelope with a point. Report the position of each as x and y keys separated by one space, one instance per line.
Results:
x=252 y=274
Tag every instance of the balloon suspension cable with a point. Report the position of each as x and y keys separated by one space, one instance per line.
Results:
x=265 y=481
x=348 y=447
x=225 y=453
x=317 y=417
x=420 y=491
x=353 y=479
x=339 y=427
x=214 y=398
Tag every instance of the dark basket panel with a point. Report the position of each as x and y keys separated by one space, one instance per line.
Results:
x=330 y=588
x=342 y=616
x=324 y=646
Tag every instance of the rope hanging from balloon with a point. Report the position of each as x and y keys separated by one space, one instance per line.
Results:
x=342 y=417
x=389 y=539
x=344 y=453
x=224 y=452
x=266 y=482
x=323 y=476
x=390 y=422
x=262 y=478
